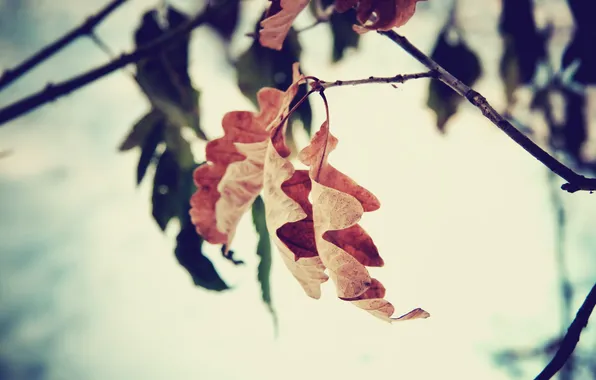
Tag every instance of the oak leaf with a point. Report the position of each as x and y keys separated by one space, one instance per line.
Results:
x=344 y=247
x=379 y=14
x=288 y=210
x=233 y=176
x=280 y=16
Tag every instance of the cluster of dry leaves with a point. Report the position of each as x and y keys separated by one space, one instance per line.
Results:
x=313 y=237
x=372 y=14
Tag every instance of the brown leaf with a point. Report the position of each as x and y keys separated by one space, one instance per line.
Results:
x=280 y=16
x=344 y=247
x=288 y=210
x=379 y=14
x=373 y=302
x=233 y=177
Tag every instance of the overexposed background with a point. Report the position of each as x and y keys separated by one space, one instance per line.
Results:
x=90 y=288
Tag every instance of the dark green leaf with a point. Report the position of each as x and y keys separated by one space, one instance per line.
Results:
x=582 y=46
x=166 y=188
x=341 y=24
x=148 y=149
x=164 y=77
x=524 y=45
x=264 y=251
x=140 y=131
x=178 y=145
x=224 y=18
x=457 y=58
x=190 y=255
x=260 y=67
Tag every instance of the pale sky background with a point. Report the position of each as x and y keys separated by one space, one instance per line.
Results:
x=90 y=288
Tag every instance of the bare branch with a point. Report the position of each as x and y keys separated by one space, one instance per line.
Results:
x=54 y=91
x=571 y=338
x=85 y=29
x=576 y=182
x=399 y=78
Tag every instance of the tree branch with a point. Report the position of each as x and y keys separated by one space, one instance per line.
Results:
x=571 y=338
x=399 y=78
x=85 y=29
x=576 y=182
x=54 y=91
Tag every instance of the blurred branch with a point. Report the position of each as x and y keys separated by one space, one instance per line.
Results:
x=54 y=91
x=571 y=338
x=576 y=182
x=85 y=29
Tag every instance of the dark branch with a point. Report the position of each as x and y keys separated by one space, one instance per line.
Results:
x=54 y=91
x=576 y=182
x=85 y=29
x=571 y=338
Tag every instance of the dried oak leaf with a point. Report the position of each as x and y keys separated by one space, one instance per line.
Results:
x=344 y=247
x=379 y=14
x=233 y=176
x=280 y=16
x=288 y=210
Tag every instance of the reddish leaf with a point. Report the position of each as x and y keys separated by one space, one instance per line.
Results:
x=288 y=210
x=379 y=14
x=280 y=17
x=344 y=247
x=233 y=177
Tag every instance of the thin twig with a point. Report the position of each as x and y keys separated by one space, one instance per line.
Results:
x=400 y=78
x=576 y=182
x=322 y=15
x=571 y=338
x=85 y=29
x=54 y=91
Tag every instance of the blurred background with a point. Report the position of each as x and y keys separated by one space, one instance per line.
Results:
x=103 y=277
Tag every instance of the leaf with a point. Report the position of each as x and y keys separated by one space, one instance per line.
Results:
x=165 y=190
x=260 y=67
x=177 y=144
x=280 y=16
x=141 y=130
x=343 y=246
x=190 y=255
x=148 y=149
x=223 y=18
x=233 y=177
x=289 y=213
x=457 y=58
x=380 y=14
x=343 y=35
x=581 y=48
x=264 y=252
x=164 y=77
x=523 y=46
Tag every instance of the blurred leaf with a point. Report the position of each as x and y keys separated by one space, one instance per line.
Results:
x=264 y=251
x=581 y=48
x=224 y=18
x=457 y=58
x=164 y=77
x=166 y=190
x=343 y=35
x=260 y=67
x=190 y=255
x=178 y=145
x=524 y=45
x=141 y=130
x=148 y=149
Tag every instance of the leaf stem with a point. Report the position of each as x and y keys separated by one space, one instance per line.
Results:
x=85 y=29
x=575 y=182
